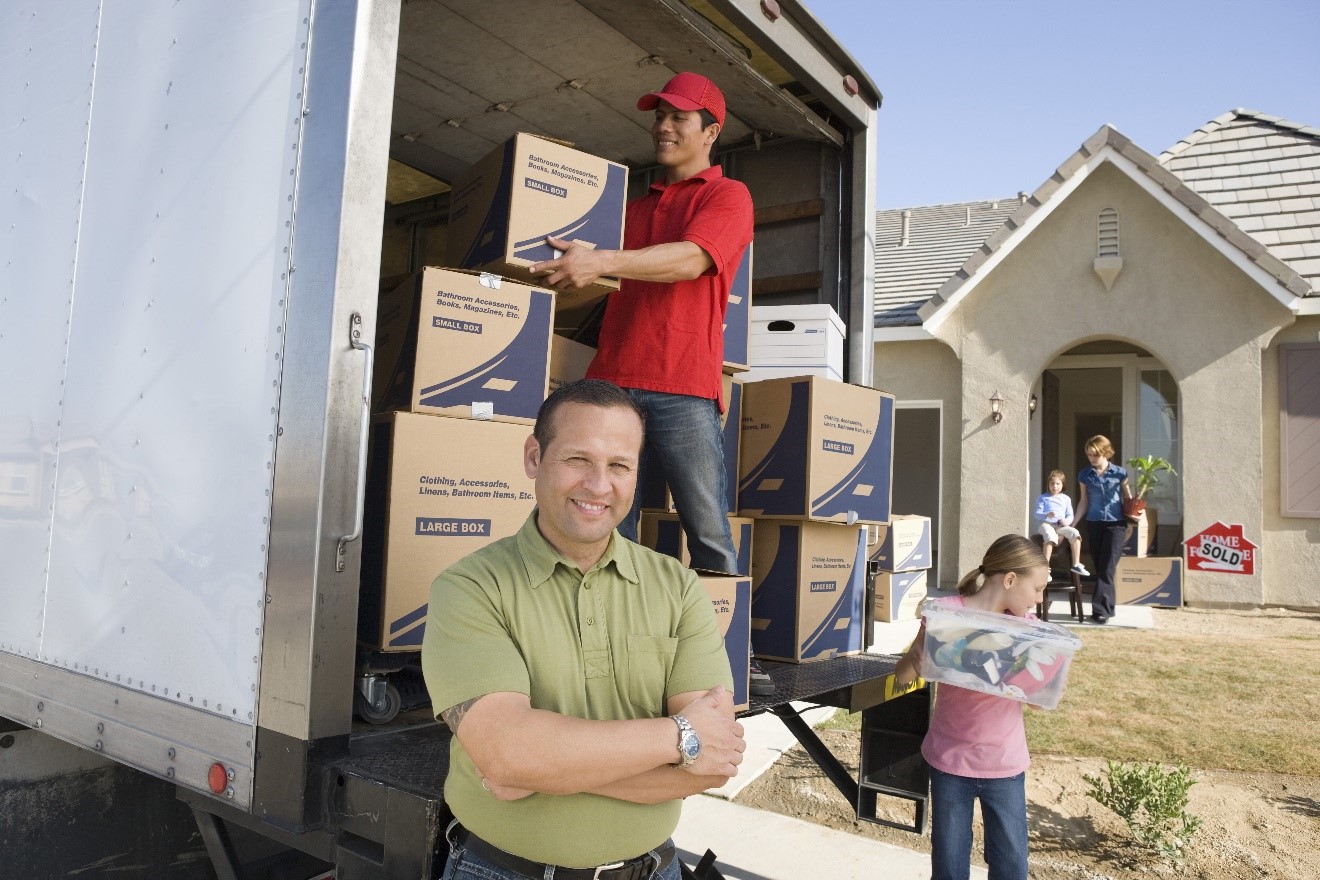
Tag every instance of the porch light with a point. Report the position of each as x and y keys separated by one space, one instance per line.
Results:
x=1032 y=403
x=996 y=404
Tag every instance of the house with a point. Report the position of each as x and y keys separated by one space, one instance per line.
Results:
x=1171 y=304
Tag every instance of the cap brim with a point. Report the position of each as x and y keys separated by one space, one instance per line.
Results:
x=651 y=100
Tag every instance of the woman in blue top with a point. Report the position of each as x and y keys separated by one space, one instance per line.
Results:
x=1103 y=489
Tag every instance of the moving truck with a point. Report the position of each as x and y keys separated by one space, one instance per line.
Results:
x=201 y=202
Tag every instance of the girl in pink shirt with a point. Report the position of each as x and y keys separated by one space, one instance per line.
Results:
x=976 y=746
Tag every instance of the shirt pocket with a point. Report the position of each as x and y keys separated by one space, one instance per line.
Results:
x=648 y=663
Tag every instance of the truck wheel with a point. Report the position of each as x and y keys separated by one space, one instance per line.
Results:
x=384 y=712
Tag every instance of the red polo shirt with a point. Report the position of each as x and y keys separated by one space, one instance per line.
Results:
x=669 y=337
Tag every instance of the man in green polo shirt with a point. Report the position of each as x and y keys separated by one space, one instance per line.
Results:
x=583 y=675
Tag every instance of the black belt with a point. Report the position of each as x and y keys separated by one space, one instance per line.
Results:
x=640 y=868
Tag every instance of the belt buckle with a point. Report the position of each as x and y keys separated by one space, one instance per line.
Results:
x=612 y=866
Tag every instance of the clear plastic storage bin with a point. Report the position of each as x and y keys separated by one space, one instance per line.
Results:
x=997 y=654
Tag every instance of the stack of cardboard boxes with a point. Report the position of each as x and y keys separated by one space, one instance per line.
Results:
x=902 y=558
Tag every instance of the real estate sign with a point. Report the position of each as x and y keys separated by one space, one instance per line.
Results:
x=1221 y=548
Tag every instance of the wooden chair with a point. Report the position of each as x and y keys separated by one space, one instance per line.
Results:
x=1072 y=584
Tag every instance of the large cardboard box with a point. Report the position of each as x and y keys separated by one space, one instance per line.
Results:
x=737 y=318
x=662 y=532
x=899 y=594
x=501 y=212
x=904 y=544
x=808 y=589
x=732 y=598
x=427 y=507
x=1150 y=580
x=463 y=344
x=654 y=493
x=817 y=449
x=569 y=360
x=796 y=340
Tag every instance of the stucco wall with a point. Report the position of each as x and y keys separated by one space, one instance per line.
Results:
x=1291 y=548
x=1176 y=297
x=929 y=371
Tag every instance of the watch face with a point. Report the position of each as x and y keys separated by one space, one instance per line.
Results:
x=691 y=746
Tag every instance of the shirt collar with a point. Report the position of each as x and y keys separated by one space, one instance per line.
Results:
x=540 y=559
x=705 y=175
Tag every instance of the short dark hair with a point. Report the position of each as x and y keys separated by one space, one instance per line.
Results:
x=707 y=120
x=592 y=392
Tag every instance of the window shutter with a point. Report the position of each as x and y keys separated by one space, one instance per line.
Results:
x=1299 y=429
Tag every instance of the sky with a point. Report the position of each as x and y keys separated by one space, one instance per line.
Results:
x=985 y=98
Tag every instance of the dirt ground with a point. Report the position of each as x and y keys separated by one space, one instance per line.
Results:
x=1253 y=825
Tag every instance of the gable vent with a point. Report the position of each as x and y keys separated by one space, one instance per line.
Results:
x=1108 y=233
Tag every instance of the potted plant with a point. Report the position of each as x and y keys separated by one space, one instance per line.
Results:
x=1146 y=470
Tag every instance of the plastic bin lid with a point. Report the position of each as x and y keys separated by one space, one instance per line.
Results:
x=945 y=616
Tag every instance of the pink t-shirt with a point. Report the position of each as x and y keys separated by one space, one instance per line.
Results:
x=974 y=734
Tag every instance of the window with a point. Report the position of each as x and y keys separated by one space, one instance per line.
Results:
x=1299 y=429
x=1107 y=233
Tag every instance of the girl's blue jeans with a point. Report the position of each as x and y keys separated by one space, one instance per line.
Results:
x=1004 y=810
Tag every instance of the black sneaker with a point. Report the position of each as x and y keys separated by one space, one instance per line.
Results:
x=761 y=685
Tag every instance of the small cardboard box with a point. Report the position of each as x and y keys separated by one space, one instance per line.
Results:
x=816 y=449
x=997 y=654
x=904 y=544
x=501 y=212
x=654 y=492
x=661 y=531
x=1150 y=580
x=1136 y=540
x=737 y=318
x=427 y=507
x=568 y=360
x=465 y=345
x=898 y=595
x=808 y=589
x=796 y=340
x=732 y=597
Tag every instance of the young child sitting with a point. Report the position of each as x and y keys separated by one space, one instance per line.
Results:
x=1054 y=515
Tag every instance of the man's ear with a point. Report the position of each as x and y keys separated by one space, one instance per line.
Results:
x=531 y=456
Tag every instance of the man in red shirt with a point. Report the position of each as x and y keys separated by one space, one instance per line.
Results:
x=662 y=337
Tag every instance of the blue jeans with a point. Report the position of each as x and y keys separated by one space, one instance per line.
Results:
x=464 y=865
x=685 y=447
x=1004 y=811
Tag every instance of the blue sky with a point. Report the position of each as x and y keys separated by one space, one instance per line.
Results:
x=983 y=98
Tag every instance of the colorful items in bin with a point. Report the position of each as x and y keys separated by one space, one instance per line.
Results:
x=997 y=654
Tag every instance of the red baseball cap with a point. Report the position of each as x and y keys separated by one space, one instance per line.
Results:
x=687 y=91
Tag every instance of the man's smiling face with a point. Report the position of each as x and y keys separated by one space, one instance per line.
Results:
x=682 y=146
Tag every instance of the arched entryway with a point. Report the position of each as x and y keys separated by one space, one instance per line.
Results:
x=1127 y=394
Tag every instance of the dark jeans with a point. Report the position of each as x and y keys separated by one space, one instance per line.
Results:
x=1106 y=540
x=466 y=865
x=1004 y=812
x=685 y=444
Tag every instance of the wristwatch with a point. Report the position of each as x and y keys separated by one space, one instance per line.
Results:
x=689 y=744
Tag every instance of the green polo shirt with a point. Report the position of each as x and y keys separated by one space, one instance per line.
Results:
x=611 y=644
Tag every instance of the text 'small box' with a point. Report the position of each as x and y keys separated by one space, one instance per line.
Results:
x=653 y=493
x=817 y=449
x=463 y=344
x=904 y=544
x=898 y=595
x=808 y=589
x=427 y=508
x=501 y=212
x=732 y=597
x=662 y=532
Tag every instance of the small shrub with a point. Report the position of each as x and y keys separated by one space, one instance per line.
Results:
x=1153 y=803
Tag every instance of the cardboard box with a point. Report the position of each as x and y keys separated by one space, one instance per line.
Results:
x=732 y=597
x=816 y=449
x=654 y=492
x=737 y=318
x=662 y=532
x=463 y=344
x=501 y=212
x=904 y=544
x=808 y=589
x=428 y=507
x=568 y=360
x=1152 y=580
x=1136 y=540
x=797 y=340
x=898 y=595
